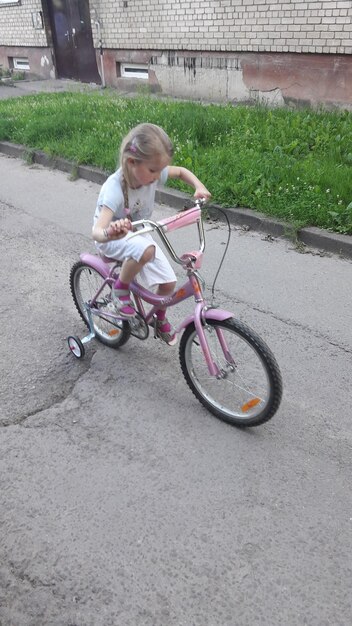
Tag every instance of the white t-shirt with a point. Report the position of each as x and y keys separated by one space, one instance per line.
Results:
x=141 y=200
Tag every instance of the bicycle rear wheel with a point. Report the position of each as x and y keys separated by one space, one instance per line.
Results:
x=85 y=282
x=249 y=388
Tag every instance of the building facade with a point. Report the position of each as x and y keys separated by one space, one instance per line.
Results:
x=279 y=52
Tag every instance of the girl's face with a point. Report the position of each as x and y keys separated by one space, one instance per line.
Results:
x=146 y=172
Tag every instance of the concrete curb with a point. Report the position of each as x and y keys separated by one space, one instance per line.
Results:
x=313 y=237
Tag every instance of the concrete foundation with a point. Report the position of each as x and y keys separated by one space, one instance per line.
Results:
x=40 y=60
x=276 y=79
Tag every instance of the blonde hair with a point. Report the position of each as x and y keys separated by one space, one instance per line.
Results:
x=142 y=143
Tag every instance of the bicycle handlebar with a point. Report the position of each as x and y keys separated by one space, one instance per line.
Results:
x=185 y=218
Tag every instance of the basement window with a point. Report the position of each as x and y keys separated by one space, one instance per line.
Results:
x=20 y=63
x=131 y=70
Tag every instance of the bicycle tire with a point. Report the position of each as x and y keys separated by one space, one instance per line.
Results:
x=250 y=391
x=84 y=284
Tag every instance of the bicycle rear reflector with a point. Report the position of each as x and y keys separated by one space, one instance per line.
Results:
x=250 y=404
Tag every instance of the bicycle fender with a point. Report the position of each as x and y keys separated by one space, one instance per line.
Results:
x=96 y=263
x=209 y=314
x=218 y=314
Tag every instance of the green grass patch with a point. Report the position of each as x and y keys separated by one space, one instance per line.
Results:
x=294 y=165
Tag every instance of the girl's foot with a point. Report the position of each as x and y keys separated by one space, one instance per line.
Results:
x=165 y=332
x=122 y=302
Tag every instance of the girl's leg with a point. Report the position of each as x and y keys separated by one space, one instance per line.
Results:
x=160 y=273
x=121 y=290
x=130 y=267
x=163 y=326
x=165 y=289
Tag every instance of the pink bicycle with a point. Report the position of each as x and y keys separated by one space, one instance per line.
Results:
x=228 y=367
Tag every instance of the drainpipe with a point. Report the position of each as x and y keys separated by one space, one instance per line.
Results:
x=97 y=23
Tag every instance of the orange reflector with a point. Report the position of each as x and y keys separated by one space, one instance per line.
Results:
x=250 y=404
x=113 y=332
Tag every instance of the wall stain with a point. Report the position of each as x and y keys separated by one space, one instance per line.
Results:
x=189 y=63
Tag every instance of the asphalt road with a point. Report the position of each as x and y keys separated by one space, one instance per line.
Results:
x=123 y=502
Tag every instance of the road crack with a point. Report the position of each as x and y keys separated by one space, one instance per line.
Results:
x=59 y=398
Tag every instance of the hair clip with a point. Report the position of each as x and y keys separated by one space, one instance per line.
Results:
x=133 y=147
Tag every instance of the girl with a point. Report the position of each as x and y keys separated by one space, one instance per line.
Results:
x=145 y=157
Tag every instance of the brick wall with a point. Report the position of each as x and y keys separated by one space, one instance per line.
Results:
x=311 y=26
x=16 y=26
x=308 y=26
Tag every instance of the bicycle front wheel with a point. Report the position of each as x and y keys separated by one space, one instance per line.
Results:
x=85 y=282
x=248 y=389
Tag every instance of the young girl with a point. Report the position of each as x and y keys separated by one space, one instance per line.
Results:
x=128 y=194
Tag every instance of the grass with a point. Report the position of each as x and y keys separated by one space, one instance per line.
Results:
x=294 y=165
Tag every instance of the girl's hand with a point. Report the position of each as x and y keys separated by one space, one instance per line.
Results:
x=202 y=192
x=119 y=228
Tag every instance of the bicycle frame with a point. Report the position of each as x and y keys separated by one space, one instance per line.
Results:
x=190 y=261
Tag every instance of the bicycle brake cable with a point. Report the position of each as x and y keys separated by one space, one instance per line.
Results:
x=224 y=254
x=225 y=251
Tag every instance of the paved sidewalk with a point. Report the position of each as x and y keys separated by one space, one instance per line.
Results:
x=317 y=238
x=29 y=87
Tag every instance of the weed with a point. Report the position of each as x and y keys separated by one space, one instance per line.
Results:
x=18 y=75
x=4 y=73
x=342 y=222
x=7 y=73
x=74 y=172
x=28 y=156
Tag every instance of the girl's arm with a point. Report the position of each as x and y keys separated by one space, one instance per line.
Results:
x=190 y=179
x=104 y=229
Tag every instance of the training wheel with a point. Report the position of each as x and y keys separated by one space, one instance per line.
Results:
x=76 y=347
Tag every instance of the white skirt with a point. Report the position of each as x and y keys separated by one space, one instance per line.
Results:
x=156 y=272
